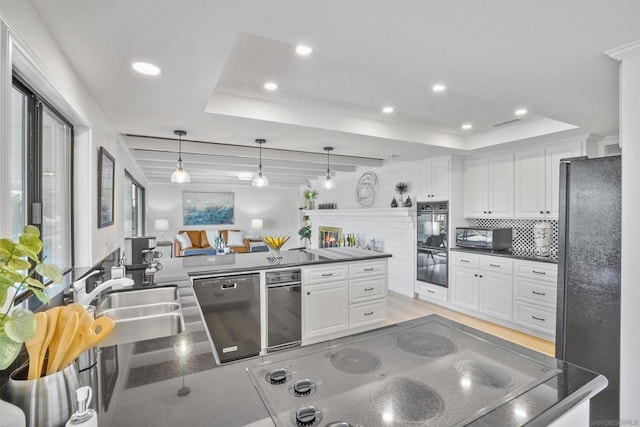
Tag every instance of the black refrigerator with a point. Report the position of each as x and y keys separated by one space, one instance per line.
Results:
x=589 y=238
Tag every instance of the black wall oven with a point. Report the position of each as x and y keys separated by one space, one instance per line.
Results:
x=432 y=256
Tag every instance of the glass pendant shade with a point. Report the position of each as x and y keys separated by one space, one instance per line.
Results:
x=328 y=183
x=260 y=180
x=180 y=175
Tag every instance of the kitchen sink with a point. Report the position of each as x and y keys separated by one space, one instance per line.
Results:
x=141 y=310
x=142 y=314
x=144 y=328
x=137 y=297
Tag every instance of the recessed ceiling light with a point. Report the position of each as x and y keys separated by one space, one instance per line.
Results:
x=438 y=87
x=146 y=68
x=245 y=176
x=303 y=50
x=521 y=112
x=467 y=126
x=388 y=110
x=271 y=86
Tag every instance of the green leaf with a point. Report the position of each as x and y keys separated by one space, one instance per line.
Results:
x=31 y=245
x=6 y=248
x=21 y=326
x=4 y=280
x=35 y=283
x=3 y=292
x=9 y=350
x=51 y=271
x=19 y=264
x=31 y=229
x=40 y=294
x=20 y=250
x=12 y=276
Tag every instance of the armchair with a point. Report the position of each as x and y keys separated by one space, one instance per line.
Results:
x=238 y=243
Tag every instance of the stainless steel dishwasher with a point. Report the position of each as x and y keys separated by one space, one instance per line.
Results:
x=284 y=309
x=231 y=309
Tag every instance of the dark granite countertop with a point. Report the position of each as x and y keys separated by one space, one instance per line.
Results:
x=527 y=256
x=140 y=381
x=234 y=263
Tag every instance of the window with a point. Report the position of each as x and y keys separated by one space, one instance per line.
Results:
x=133 y=207
x=41 y=154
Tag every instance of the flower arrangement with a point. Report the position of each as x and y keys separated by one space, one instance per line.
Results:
x=401 y=188
x=19 y=261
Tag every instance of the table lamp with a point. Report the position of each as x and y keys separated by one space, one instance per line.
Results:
x=256 y=224
x=161 y=225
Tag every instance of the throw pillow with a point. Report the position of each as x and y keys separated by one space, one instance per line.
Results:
x=212 y=235
x=235 y=238
x=185 y=241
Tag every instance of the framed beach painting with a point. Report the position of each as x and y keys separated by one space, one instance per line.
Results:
x=106 y=178
x=207 y=208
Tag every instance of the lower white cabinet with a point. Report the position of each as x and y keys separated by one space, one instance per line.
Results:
x=535 y=317
x=496 y=295
x=326 y=308
x=464 y=287
x=343 y=297
x=535 y=289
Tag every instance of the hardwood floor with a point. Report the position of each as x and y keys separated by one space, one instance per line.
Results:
x=401 y=308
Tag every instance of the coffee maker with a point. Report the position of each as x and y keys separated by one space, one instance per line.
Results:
x=140 y=254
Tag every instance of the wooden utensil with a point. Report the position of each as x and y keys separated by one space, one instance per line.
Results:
x=85 y=318
x=52 y=322
x=100 y=329
x=34 y=346
x=65 y=332
x=81 y=343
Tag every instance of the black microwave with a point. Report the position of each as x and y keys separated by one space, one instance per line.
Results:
x=484 y=237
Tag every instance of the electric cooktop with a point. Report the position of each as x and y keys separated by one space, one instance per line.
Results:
x=432 y=374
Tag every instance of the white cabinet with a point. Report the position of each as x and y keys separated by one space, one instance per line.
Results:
x=537 y=179
x=482 y=284
x=341 y=298
x=489 y=186
x=535 y=288
x=432 y=179
x=326 y=308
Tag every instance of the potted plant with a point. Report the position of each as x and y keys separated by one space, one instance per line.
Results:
x=19 y=261
x=310 y=197
x=305 y=231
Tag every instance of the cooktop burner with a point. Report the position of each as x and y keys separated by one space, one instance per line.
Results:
x=355 y=361
x=278 y=376
x=307 y=416
x=404 y=400
x=424 y=344
x=484 y=374
x=302 y=388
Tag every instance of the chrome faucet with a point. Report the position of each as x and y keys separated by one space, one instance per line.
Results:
x=80 y=287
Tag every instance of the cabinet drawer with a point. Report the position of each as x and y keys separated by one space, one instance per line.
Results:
x=497 y=264
x=542 y=271
x=464 y=259
x=535 y=292
x=433 y=293
x=365 y=313
x=367 y=268
x=367 y=288
x=326 y=273
x=541 y=319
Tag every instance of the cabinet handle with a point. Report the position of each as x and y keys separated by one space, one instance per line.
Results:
x=430 y=291
x=538 y=318
x=368 y=313
x=539 y=293
x=327 y=274
x=368 y=289
x=541 y=212
x=495 y=265
x=475 y=275
x=489 y=211
x=480 y=276
x=484 y=211
x=308 y=293
x=464 y=260
x=369 y=269
x=548 y=212
x=538 y=272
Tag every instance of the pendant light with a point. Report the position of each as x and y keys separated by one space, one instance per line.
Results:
x=180 y=175
x=328 y=183
x=260 y=180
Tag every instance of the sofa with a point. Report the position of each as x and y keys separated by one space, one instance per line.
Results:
x=199 y=243
x=235 y=241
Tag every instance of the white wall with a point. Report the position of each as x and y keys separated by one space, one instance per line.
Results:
x=49 y=71
x=277 y=207
x=630 y=141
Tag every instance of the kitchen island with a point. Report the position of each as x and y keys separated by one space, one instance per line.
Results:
x=141 y=382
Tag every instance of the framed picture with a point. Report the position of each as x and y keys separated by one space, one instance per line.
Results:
x=106 y=177
x=207 y=208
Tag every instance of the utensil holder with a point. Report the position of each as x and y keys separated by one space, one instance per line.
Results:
x=46 y=401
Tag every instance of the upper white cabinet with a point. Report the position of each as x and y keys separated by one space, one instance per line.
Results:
x=488 y=186
x=432 y=179
x=537 y=179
